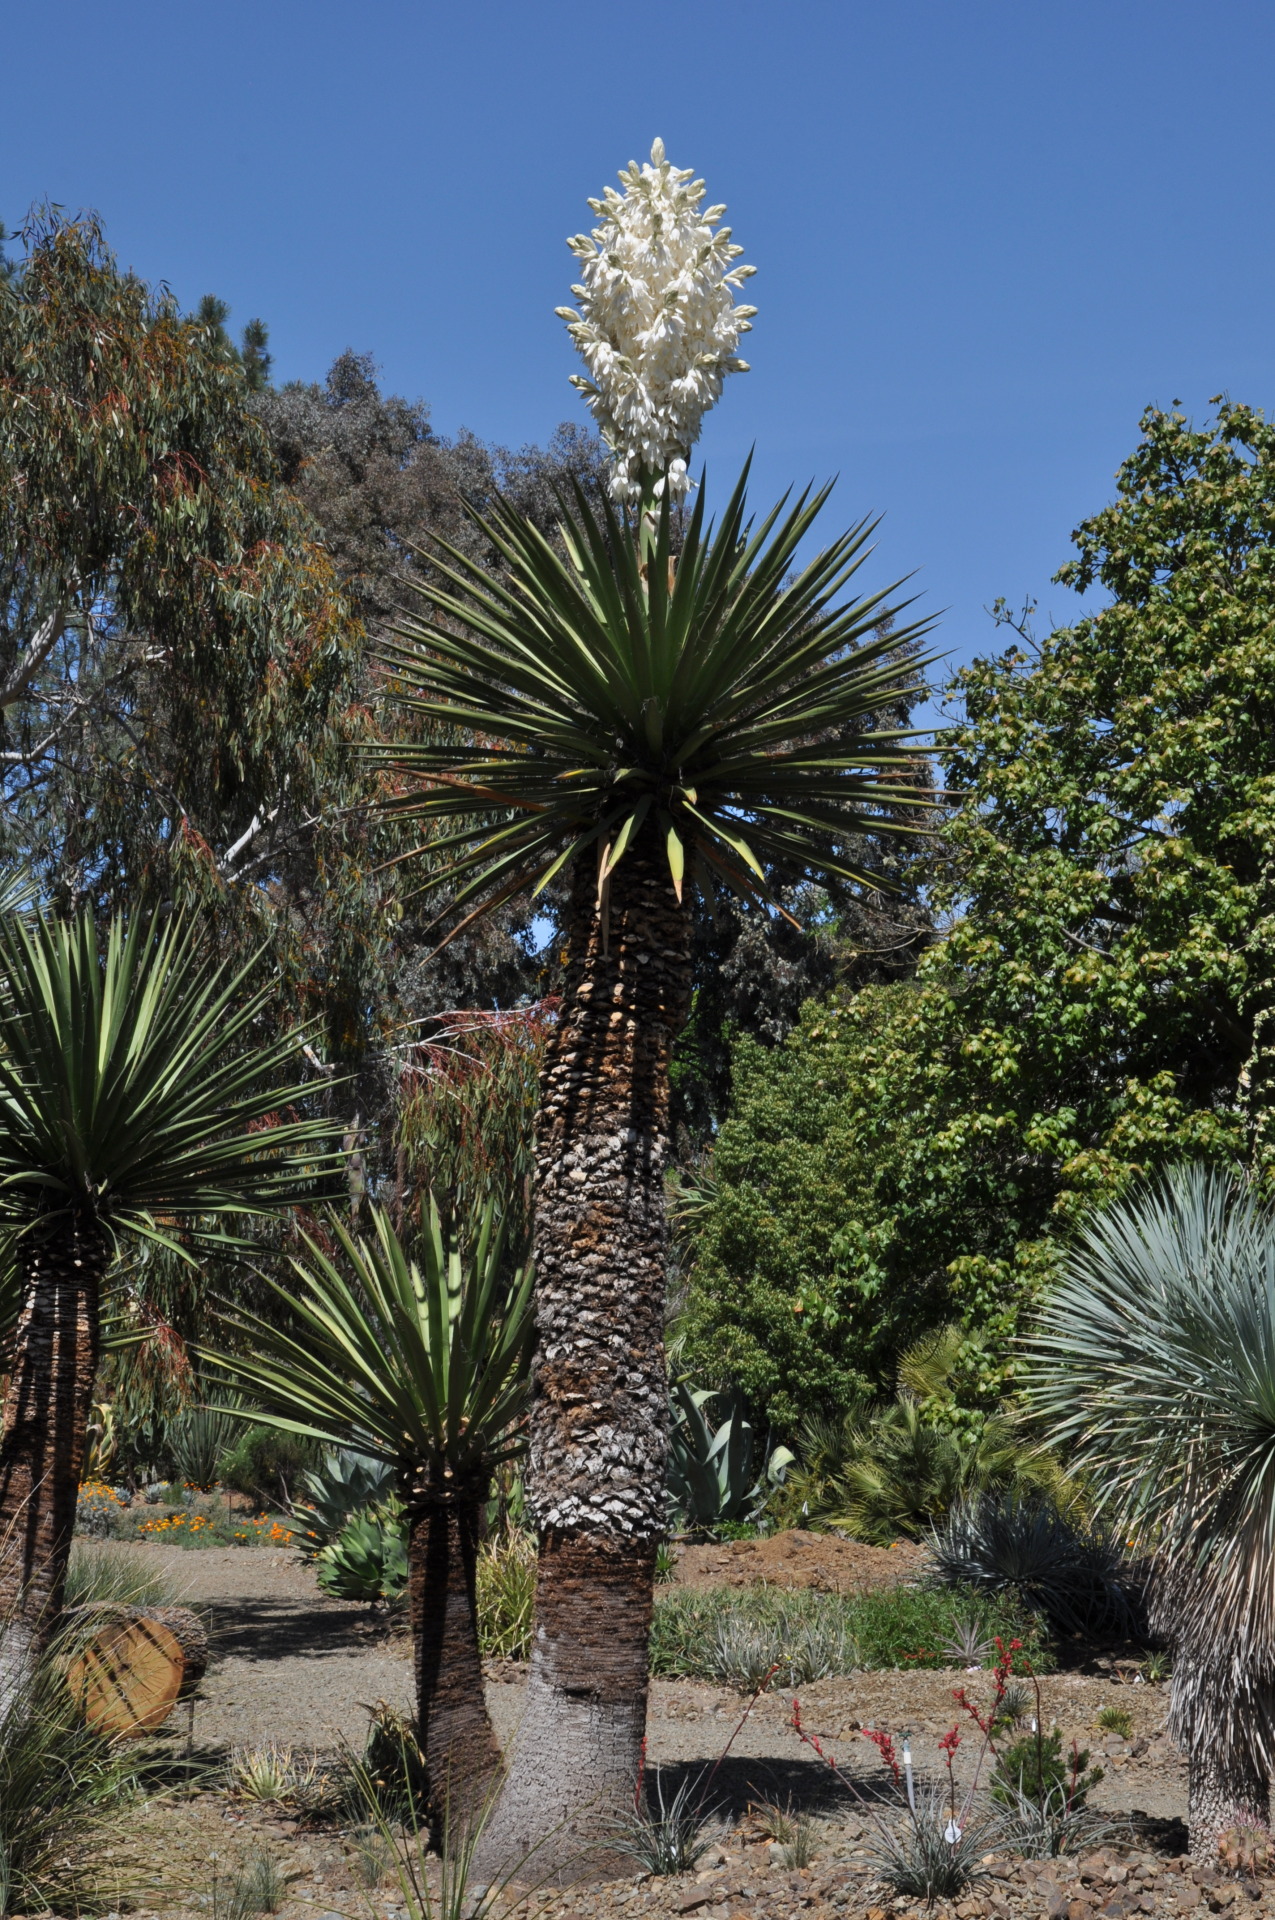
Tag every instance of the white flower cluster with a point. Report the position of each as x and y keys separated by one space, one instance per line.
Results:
x=657 y=326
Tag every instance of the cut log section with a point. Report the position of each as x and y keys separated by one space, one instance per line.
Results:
x=127 y=1677
x=134 y=1664
x=191 y=1635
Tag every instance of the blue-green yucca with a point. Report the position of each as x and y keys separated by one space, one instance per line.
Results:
x=1154 y=1364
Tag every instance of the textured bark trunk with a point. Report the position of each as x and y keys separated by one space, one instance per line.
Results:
x=1218 y=1798
x=461 y=1753
x=42 y=1440
x=599 y=1411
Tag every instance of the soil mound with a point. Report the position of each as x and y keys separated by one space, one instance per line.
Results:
x=799 y=1559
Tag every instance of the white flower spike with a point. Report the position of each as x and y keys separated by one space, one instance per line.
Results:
x=657 y=327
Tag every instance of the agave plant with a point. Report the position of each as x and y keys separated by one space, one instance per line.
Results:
x=422 y=1366
x=1154 y=1360
x=368 y=1558
x=345 y=1481
x=132 y=1089
x=710 y=1472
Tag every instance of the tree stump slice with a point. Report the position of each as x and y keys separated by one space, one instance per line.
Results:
x=127 y=1677
x=191 y=1635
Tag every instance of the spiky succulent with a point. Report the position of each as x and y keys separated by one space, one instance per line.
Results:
x=728 y=702
x=1154 y=1363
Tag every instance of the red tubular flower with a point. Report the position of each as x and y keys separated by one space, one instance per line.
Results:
x=950 y=1742
x=966 y=1705
x=885 y=1747
x=810 y=1739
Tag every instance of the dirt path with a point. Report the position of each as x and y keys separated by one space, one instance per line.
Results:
x=288 y=1664
x=291 y=1665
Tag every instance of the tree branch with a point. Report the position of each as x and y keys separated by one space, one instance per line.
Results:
x=43 y=641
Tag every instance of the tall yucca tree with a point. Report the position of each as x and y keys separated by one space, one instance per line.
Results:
x=1154 y=1365
x=644 y=725
x=425 y=1367
x=133 y=1090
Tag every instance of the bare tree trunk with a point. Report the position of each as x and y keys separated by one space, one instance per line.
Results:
x=42 y=1440
x=461 y=1753
x=1220 y=1796
x=599 y=1415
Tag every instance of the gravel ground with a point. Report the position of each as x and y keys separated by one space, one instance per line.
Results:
x=291 y=1665
x=288 y=1664
x=799 y=1559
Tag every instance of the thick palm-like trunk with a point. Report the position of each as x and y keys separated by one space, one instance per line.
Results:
x=599 y=1411
x=1222 y=1796
x=42 y=1441
x=461 y=1753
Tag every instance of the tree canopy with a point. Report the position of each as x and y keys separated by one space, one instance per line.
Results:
x=1099 y=1003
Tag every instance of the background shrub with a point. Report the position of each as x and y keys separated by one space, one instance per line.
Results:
x=264 y=1464
x=1074 y=1575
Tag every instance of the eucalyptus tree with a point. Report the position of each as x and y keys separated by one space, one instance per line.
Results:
x=1154 y=1365
x=134 y=1092
x=176 y=657
x=425 y=1367
x=652 y=725
x=180 y=667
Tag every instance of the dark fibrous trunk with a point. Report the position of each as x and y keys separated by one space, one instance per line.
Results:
x=599 y=1419
x=43 y=1438
x=461 y=1753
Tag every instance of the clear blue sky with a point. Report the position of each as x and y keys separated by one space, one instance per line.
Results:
x=987 y=233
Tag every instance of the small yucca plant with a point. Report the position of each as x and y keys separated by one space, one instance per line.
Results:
x=421 y=1365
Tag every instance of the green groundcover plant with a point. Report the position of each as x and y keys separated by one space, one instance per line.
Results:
x=898 y=1628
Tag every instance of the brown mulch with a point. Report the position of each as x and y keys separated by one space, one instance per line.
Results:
x=799 y=1559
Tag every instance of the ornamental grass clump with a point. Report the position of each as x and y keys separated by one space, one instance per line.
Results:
x=792 y=1830
x=103 y=1575
x=61 y=1785
x=506 y=1591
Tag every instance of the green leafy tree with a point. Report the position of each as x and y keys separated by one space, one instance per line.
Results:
x=382 y=483
x=131 y=1091
x=178 y=664
x=160 y=600
x=252 y=354
x=1102 y=999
